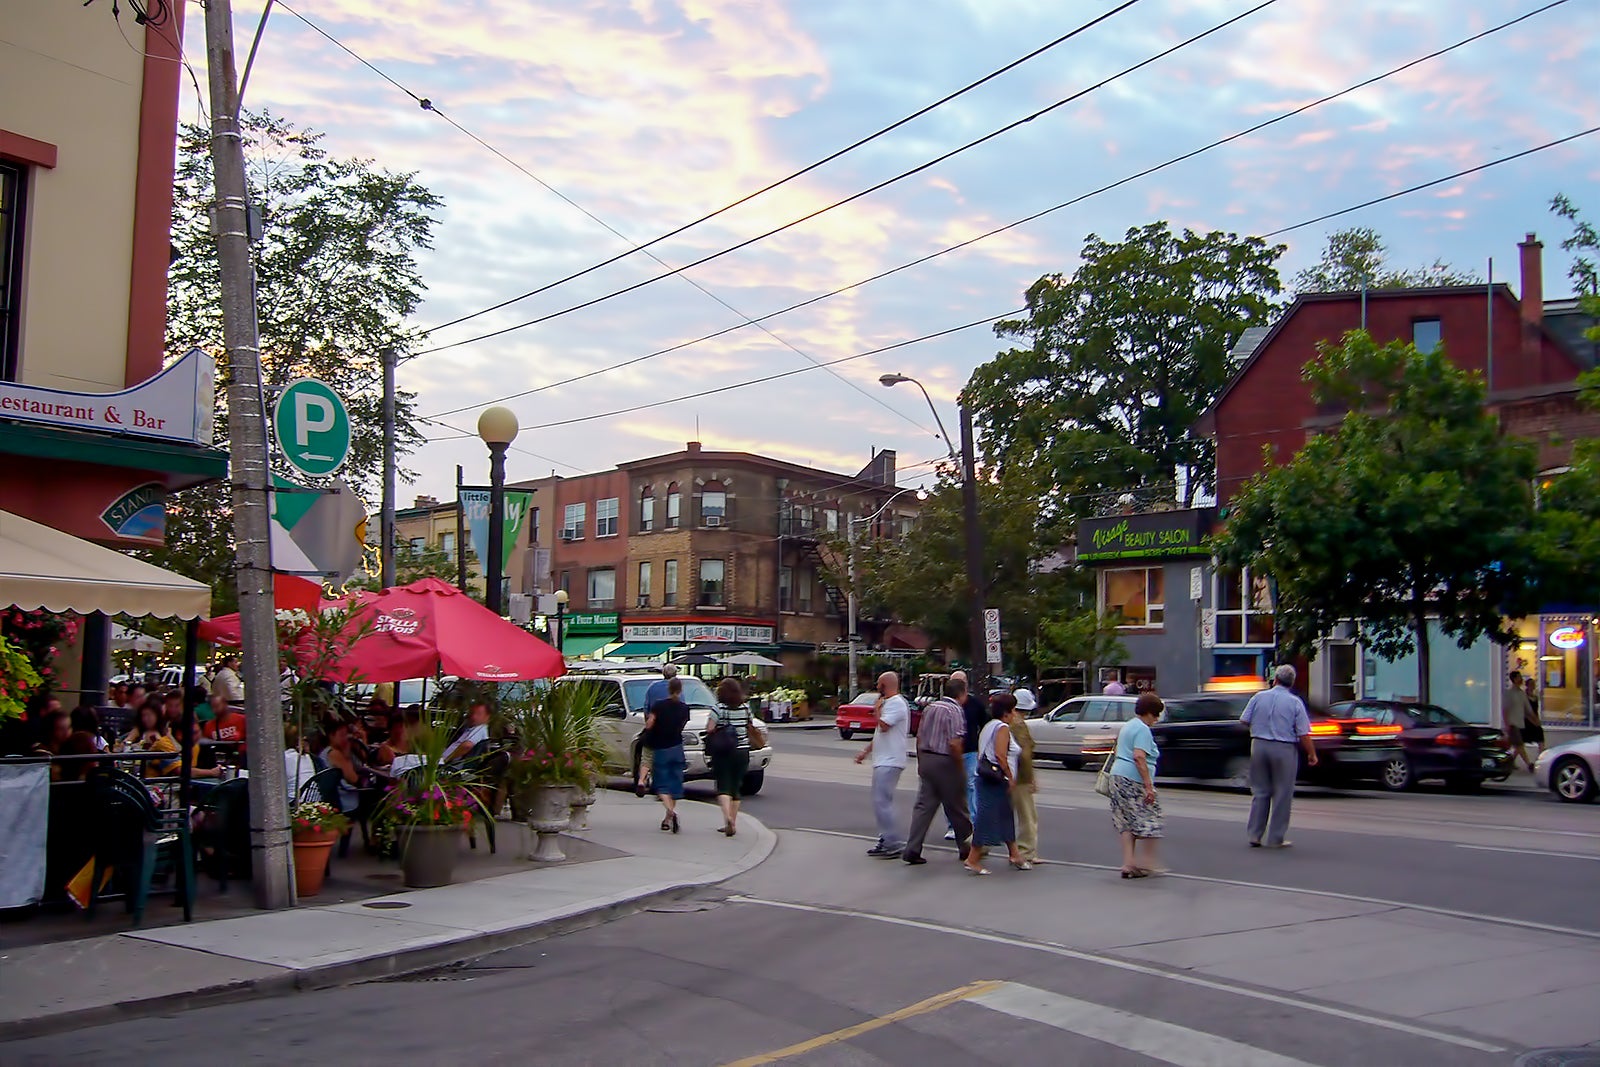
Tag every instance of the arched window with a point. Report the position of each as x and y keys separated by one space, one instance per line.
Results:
x=713 y=504
x=674 y=506
x=647 y=509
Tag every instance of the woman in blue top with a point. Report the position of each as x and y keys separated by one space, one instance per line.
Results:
x=1135 y=811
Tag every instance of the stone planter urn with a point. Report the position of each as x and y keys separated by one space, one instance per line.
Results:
x=549 y=814
x=428 y=855
x=583 y=798
x=311 y=849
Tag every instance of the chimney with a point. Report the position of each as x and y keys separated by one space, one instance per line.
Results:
x=694 y=446
x=426 y=502
x=1532 y=296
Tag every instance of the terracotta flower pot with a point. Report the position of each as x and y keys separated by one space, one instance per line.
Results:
x=311 y=848
x=428 y=855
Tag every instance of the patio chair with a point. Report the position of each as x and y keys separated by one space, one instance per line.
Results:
x=223 y=839
x=487 y=767
x=132 y=834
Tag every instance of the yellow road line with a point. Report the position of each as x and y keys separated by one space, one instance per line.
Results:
x=921 y=1007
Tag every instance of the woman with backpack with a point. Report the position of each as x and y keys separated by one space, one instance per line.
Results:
x=728 y=731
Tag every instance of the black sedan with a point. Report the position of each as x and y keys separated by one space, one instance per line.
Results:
x=1200 y=736
x=1435 y=744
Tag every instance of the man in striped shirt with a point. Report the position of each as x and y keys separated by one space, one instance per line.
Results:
x=941 y=781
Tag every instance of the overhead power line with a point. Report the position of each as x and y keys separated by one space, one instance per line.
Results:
x=994 y=318
x=851 y=198
x=1146 y=172
x=829 y=158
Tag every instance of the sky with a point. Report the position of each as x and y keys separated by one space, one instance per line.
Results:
x=647 y=114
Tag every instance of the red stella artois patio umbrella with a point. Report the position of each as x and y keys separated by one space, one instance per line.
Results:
x=430 y=627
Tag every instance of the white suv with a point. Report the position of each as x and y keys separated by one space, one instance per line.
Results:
x=622 y=721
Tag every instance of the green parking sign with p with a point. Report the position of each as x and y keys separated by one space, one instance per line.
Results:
x=312 y=427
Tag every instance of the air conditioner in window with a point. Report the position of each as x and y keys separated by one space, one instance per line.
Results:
x=713 y=520
x=566 y=535
x=644 y=600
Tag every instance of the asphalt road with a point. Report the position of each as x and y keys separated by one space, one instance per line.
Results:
x=824 y=957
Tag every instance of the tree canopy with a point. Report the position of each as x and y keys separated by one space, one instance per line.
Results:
x=1357 y=258
x=336 y=281
x=1414 y=506
x=1116 y=362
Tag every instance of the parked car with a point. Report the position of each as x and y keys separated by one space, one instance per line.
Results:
x=1069 y=730
x=861 y=716
x=1200 y=736
x=1571 y=771
x=622 y=721
x=1435 y=744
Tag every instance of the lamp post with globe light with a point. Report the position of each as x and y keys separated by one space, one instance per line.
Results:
x=969 y=509
x=561 y=612
x=498 y=428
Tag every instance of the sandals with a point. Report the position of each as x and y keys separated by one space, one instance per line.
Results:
x=1021 y=865
x=666 y=824
x=1135 y=872
x=976 y=871
x=674 y=823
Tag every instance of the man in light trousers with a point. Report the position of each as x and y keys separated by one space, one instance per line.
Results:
x=888 y=751
x=1278 y=724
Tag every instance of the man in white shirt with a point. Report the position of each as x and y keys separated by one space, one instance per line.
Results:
x=476 y=730
x=226 y=680
x=887 y=748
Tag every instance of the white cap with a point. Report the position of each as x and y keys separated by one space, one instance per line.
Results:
x=1025 y=700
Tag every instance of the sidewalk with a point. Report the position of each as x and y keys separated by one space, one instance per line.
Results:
x=51 y=987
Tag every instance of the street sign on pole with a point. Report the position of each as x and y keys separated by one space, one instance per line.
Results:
x=992 y=649
x=312 y=427
x=991 y=624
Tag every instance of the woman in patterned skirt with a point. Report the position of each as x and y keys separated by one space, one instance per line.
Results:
x=1135 y=811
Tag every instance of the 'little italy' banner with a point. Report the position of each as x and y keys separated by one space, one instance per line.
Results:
x=474 y=504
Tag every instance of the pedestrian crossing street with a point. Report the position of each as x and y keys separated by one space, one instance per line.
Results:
x=1111 y=1035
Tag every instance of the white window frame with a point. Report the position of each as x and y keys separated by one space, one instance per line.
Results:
x=647 y=512
x=573 y=517
x=1155 y=611
x=593 y=597
x=447 y=544
x=669 y=583
x=674 y=508
x=721 y=582
x=717 y=511
x=605 y=517
x=1249 y=596
x=642 y=594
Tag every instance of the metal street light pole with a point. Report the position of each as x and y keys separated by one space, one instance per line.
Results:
x=973 y=532
x=561 y=613
x=498 y=428
x=853 y=637
x=248 y=463
x=391 y=359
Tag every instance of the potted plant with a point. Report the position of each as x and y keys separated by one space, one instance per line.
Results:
x=558 y=761
x=315 y=826
x=429 y=807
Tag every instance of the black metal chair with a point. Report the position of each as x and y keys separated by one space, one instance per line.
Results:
x=486 y=767
x=223 y=838
x=132 y=835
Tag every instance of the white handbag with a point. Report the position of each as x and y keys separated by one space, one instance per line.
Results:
x=1102 y=781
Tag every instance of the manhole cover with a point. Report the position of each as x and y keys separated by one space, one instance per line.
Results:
x=385 y=905
x=1560 y=1057
x=687 y=905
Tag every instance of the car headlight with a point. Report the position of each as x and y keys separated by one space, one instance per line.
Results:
x=691 y=740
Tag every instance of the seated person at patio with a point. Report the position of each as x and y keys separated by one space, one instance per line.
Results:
x=298 y=767
x=137 y=695
x=229 y=724
x=338 y=755
x=78 y=743
x=148 y=724
x=379 y=720
x=87 y=720
x=476 y=730
x=54 y=729
x=395 y=754
x=117 y=695
x=172 y=708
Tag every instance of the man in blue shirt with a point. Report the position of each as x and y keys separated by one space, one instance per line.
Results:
x=1278 y=722
x=652 y=696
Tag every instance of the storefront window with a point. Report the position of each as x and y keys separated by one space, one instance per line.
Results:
x=1137 y=594
x=1244 y=608
x=1556 y=654
x=1463 y=680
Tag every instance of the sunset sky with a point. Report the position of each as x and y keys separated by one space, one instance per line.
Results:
x=651 y=113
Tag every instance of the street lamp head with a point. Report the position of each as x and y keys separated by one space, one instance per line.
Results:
x=562 y=597
x=892 y=379
x=497 y=426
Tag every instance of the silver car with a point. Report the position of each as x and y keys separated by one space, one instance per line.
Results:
x=1571 y=771
x=622 y=721
x=1070 y=727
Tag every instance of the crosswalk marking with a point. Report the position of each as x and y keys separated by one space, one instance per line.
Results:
x=1159 y=1040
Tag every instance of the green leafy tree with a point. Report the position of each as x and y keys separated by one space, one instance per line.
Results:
x=1116 y=362
x=1414 y=507
x=336 y=281
x=1083 y=636
x=1357 y=258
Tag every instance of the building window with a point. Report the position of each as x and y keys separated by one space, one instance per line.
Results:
x=602 y=589
x=533 y=527
x=713 y=505
x=785 y=588
x=1244 y=608
x=669 y=584
x=674 y=503
x=711 y=589
x=803 y=591
x=447 y=544
x=572 y=522
x=605 y=517
x=566 y=581
x=1425 y=335
x=1137 y=594
x=830 y=520
x=647 y=509
x=644 y=584
x=13 y=189
x=418 y=545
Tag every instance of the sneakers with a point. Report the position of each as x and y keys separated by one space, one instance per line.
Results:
x=891 y=853
x=877 y=850
x=950 y=834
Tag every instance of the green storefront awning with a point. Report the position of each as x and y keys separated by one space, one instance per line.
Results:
x=182 y=465
x=642 y=650
x=584 y=644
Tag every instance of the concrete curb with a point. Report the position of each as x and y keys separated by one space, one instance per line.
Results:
x=386 y=964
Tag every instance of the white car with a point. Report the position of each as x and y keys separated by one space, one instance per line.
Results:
x=1570 y=771
x=622 y=721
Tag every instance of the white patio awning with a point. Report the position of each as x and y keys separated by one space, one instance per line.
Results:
x=43 y=568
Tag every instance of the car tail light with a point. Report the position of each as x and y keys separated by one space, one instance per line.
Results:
x=1453 y=741
x=1374 y=730
x=1329 y=728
